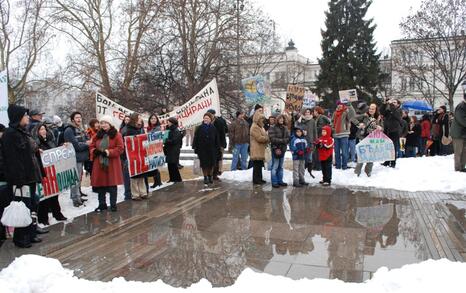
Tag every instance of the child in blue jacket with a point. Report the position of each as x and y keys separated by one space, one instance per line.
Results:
x=300 y=149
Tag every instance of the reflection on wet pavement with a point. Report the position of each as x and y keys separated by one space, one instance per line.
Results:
x=185 y=233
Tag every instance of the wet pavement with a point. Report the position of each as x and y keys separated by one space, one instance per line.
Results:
x=185 y=232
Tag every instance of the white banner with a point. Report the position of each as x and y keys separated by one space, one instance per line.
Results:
x=189 y=114
x=347 y=96
x=4 y=98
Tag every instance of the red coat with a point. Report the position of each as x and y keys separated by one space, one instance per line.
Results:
x=425 y=124
x=326 y=151
x=113 y=175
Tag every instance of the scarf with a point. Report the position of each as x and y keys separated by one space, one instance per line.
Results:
x=338 y=116
x=205 y=128
x=104 y=143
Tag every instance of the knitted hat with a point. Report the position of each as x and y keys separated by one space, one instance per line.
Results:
x=211 y=111
x=107 y=118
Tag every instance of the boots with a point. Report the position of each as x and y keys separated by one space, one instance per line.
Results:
x=210 y=179
x=206 y=180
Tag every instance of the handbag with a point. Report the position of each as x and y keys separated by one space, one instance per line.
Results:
x=446 y=140
x=16 y=214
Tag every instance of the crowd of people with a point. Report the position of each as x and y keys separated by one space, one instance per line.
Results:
x=316 y=140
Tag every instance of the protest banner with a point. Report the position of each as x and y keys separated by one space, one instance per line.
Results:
x=4 y=98
x=348 y=96
x=376 y=147
x=60 y=171
x=188 y=115
x=309 y=101
x=144 y=152
x=256 y=90
x=294 y=98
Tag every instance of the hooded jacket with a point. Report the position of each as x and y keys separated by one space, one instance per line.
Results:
x=299 y=147
x=325 y=144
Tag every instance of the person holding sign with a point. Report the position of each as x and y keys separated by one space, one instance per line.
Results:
x=391 y=112
x=105 y=149
x=341 y=123
x=207 y=147
x=172 y=148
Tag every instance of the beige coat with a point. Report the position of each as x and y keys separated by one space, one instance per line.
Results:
x=259 y=138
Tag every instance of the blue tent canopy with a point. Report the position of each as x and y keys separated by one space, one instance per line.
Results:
x=419 y=105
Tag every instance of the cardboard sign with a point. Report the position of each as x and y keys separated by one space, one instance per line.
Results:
x=256 y=90
x=144 y=152
x=189 y=114
x=60 y=169
x=294 y=98
x=4 y=98
x=348 y=96
x=376 y=147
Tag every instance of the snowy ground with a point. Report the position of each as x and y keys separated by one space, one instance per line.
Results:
x=410 y=174
x=32 y=273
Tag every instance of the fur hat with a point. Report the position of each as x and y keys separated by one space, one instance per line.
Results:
x=106 y=118
x=208 y=114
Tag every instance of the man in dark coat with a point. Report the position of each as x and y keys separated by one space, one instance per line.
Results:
x=172 y=148
x=222 y=129
x=458 y=134
x=35 y=117
x=22 y=169
x=392 y=123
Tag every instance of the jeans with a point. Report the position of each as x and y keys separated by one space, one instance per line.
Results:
x=410 y=151
x=298 y=171
x=75 y=191
x=240 y=153
x=126 y=179
x=352 y=150
x=341 y=152
x=277 y=170
x=422 y=146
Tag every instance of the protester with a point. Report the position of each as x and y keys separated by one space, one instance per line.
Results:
x=21 y=169
x=279 y=136
x=368 y=122
x=35 y=117
x=138 y=187
x=4 y=194
x=325 y=150
x=106 y=148
x=412 y=138
x=258 y=142
x=440 y=129
x=124 y=122
x=341 y=122
x=222 y=129
x=405 y=121
x=391 y=112
x=308 y=124
x=93 y=128
x=458 y=134
x=45 y=141
x=58 y=130
x=271 y=122
x=206 y=145
x=124 y=164
x=75 y=134
x=425 y=134
x=154 y=125
x=239 y=141
x=321 y=121
x=300 y=149
x=172 y=149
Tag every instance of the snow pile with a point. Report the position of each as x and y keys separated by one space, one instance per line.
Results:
x=410 y=174
x=32 y=273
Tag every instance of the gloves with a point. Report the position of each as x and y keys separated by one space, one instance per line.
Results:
x=104 y=154
x=300 y=153
x=308 y=150
x=96 y=152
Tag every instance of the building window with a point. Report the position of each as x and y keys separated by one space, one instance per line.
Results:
x=403 y=84
x=412 y=84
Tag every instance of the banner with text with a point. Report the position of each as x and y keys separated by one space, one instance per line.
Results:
x=60 y=171
x=144 y=152
x=376 y=147
x=4 y=98
x=347 y=96
x=189 y=114
x=294 y=98
x=256 y=90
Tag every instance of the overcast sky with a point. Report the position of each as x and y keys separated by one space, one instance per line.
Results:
x=302 y=21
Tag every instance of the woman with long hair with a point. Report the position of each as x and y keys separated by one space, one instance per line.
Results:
x=154 y=125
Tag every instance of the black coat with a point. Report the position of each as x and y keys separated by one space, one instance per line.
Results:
x=412 y=139
x=206 y=145
x=392 y=118
x=222 y=128
x=172 y=145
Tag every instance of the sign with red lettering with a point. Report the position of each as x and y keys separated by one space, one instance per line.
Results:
x=144 y=152
x=60 y=170
x=188 y=115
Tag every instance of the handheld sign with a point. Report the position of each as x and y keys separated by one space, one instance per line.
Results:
x=144 y=152
x=256 y=89
x=347 y=96
x=294 y=98
x=376 y=147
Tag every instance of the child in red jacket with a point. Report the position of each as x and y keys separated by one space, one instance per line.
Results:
x=325 y=149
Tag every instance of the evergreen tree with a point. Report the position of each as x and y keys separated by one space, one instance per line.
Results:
x=349 y=59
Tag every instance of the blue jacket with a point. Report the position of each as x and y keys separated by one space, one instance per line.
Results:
x=298 y=144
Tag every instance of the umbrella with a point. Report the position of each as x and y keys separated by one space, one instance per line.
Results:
x=420 y=105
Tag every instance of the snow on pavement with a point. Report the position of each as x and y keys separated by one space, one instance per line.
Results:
x=411 y=174
x=32 y=273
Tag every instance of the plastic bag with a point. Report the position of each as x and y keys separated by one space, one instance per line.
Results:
x=197 y=167
x=16 y=215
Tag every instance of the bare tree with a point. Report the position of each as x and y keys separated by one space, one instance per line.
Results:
x=434 y=54
x=23 y=38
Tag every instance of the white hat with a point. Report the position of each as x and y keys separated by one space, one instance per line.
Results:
x=106 y=118
x=57 y=121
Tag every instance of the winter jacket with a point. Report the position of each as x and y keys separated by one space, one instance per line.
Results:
x=299 y=147
x=222 y=129
x=458 y=127
x=404 y=126
x=20 y=152
x=369 y=124
x=77 y=137
x=412 y=139
x=279 y=136
x=425 y=126
x=310 y=127
x=172 y=145
x=440 y=126
x=238 y=132
x=392 y=118
x=33 y=124
x=259 y=138
x=321 y=121
x=206 y=145
x=325 y=145
x=347 y=114
x=113 y=175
